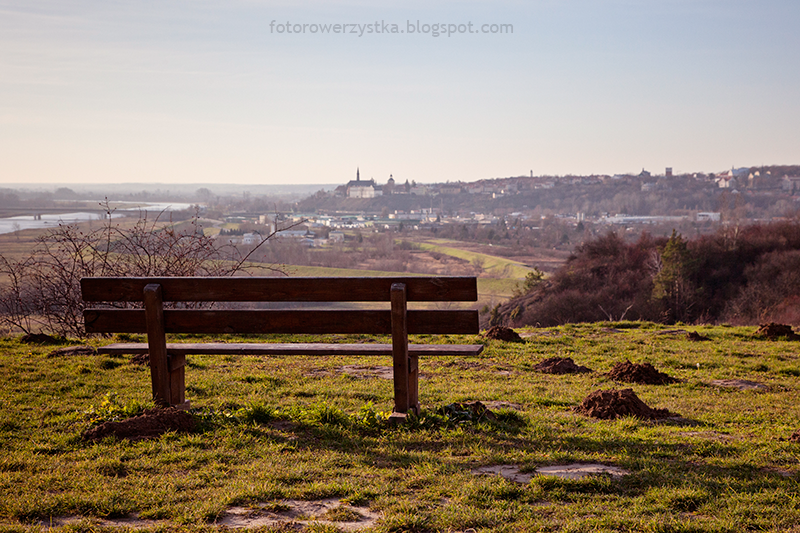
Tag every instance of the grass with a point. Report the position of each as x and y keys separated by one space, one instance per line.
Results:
x=275 y=429
x=489 y=289
x=495 y=266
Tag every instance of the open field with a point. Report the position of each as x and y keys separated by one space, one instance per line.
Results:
x=494 y=266
x=489 y=289
x=278 y=434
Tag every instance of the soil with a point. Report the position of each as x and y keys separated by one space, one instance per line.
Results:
x=502 y=333
x=151 y=424
x=468 y=411
x=571 y=471
x=140 y=359
x=740 y=384
x=560 y=365
x=613 y=403
x=40 y=338
x=696 y=337
x=795 y=436
x=773 y=331
x=642 y=373
x=72 y=350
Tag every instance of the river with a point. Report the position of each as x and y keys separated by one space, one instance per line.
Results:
x=44 y=221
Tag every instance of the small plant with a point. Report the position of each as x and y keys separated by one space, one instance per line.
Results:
x=110 y=409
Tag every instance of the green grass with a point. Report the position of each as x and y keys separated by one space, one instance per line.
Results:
x=488 y=288
x=498 y=267
x=275 y=429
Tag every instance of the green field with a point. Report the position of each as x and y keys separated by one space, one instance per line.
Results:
x=276 y=433
x=498 y=267
x=488 y=288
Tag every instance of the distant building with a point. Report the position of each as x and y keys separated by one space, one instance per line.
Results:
x=362 y=189
x=709 y=217
x=790 y=183
x=668 y=172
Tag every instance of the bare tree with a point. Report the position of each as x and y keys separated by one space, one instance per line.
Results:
x=42 y=290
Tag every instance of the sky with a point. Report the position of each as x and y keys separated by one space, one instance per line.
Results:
x=259 y=92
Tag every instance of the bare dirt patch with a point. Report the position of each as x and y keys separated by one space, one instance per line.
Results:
x=581 y=470
x=773 y=331
x=355 y=371
x=740 y=384
x=140 y=359
x=502 y=333
x=40 y=338
x=710 y=435
x=560 y=365
x=499 y=404
x=330 y=512
x=671 y=332
x=571 y=471
x=80 y=523
x=696 y=337
x=150 y=424
x=642 y=373
x=459 y=364
x=72 y=351
x=615 y=403
x=463 y=411
x=795 y=436
x=509 y=472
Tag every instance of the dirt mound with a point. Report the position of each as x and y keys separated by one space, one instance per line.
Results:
x=560 y=365
x=502 y=333
x=613 y=403
x=72 y=350
x=774 y=331
x=467 y=411
x=40 y=338
x=642 y=373
x=795 y=436
x=696 y=337
x=140 y=359
x=150 y=424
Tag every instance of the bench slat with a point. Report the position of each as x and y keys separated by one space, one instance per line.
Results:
x=282 y=321
x=295 y=349
x=294 y=289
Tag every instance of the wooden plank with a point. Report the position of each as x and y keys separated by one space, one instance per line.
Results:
x=400 y=369
x=296 y=289
x=282 y=321
x=157 y=344
x=281 y=349
x=177 y=386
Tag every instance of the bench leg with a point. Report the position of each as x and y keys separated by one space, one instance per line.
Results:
x=406 y=394
x=157 y=344
x=177 y=380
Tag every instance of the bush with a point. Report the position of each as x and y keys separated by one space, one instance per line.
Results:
x=743 y=275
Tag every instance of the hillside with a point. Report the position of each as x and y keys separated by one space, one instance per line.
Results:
x=744 y=275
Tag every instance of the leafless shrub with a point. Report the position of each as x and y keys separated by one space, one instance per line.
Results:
x=42 y=291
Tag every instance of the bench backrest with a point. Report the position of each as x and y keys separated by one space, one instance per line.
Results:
x=293 y=289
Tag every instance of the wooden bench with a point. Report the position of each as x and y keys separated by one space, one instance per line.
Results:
x=167 y=360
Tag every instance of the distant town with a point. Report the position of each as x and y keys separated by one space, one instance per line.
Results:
x=655 y=202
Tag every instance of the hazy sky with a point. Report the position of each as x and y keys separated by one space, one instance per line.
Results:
x=191 y=91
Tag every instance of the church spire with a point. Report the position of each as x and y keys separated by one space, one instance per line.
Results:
x=358 y=177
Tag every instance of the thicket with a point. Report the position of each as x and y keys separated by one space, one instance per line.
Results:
x=742 y=275
x=41 y=292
